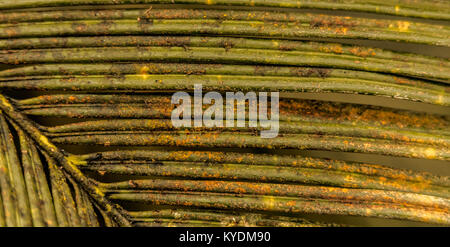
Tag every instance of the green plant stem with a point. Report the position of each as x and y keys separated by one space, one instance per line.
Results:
x=39 y=174
x=224 y=42
x=313 y=20
x=64 y=203
x=158 y=222
x=159 y=107
x=16 y=176
x=79 y=203
x=189 y=223
x=55 y=71
x=286 y=204
x=271 y=189
x=8 y=195
x=211 y=27
x=115 y=157
x=234 y=83
x=426 y=9
x=224 y=217
x=145 y=126
x=288 y=141
x=269 y=173
x=115 y=211
x=2 y=214
x=36 y=204
x=92 y=218
x=221 y=55
x=118 y=111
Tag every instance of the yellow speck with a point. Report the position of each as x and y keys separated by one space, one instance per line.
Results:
x=403 y=26
x=269 y=201
x=275 y=43
x=430 y=153
x=209 y=2
x=348 y=178
x=144 y=72
x=397 y=8
x=440 y=99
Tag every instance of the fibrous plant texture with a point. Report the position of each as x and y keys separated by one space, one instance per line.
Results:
x=86 y=137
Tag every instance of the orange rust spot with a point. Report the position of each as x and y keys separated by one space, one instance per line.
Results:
x=290 y=203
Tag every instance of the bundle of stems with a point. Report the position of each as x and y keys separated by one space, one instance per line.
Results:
x=252 y=172
x=146 y=126
x=296 y=133
x=280 y=204
x=293 y=124
x=64 y=71
x=357 y=52
x=217 y=157
x=28 y=198
x=254 y=182
x=294 y=107
x=134 y=115
x=68 y=211
x=314 y=21
x=285 y=185
x=265 y=173
x=227 y=56
x=424 y=9
x=279 y=190
x=113 y=68
x=212 y=27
